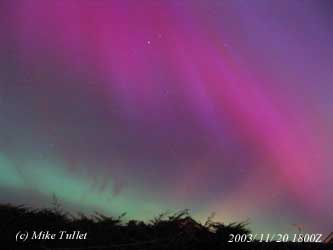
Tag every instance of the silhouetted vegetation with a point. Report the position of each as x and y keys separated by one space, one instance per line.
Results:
x=167 y=231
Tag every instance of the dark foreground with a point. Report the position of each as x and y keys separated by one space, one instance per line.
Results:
x=23 y=228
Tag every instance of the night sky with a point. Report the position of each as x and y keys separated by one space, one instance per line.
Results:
x=148 y=106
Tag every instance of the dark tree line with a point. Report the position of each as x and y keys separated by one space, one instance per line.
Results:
x=167 y=231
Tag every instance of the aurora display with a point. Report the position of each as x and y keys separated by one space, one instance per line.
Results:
x=148 y=106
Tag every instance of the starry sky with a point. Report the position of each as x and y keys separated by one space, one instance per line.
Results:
x=220 y=106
